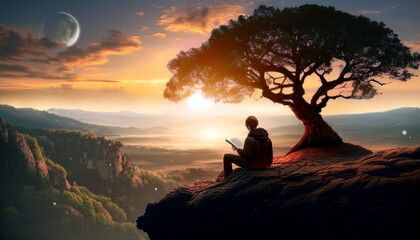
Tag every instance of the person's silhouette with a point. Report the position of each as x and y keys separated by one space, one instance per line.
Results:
x=257 y=152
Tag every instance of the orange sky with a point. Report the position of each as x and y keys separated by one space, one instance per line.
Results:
x=126 y=69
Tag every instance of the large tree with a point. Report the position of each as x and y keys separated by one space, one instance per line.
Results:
x=277 y=52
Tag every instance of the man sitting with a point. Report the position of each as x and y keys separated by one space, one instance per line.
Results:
x=257 y=152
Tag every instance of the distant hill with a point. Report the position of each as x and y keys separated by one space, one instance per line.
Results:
x=40 y=119
x=28 y=117
x=120 y=119
x=397 y=117
x=399 y=127
x=400 y=117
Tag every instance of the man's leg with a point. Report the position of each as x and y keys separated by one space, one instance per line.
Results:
x=228 y=159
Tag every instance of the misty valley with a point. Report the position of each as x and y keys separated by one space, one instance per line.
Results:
x=72 y=177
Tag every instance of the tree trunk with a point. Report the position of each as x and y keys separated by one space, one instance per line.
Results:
x=317 y=131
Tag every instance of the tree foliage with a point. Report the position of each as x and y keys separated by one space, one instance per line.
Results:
x=275 y=51
x=33 y=145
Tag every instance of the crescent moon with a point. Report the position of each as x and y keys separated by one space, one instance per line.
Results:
x=75 y=37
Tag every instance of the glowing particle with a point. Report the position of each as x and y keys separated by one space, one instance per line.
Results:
x=54 y=203
x=155 y=188
x=404 y=132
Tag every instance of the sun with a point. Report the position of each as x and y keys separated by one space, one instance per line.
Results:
x=198 y=103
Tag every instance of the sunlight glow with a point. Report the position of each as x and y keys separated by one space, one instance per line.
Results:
x=198 y=103
x=211 y=133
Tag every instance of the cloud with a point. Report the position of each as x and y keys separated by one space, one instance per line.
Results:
x=116 y=43
x=23 y=54
x=18 y=70
x=415 y=46
x=19 y=44
x=140 y=13
x=376 y=11
x=66 y=87
x=63 y=87
x=9 y=85
x=159 y=35
x=100 y=80
x=199 y=18
x=155 y=81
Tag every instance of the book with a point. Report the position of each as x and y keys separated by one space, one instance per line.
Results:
x=235 y=142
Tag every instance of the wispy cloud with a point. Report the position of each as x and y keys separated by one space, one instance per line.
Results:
x=155 y=81
x=24 y=55
x=20 y=44
x=159 y=35
x=140 y=13
x=9 y=85
x=100 y=80
x=415 y=46
x=199 y=18
x=116 y=43
x=376 y=11
x=19 y=70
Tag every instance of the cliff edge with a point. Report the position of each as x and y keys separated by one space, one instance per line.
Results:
x=314 y=194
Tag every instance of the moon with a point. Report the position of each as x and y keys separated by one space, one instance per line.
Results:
x=63 y=28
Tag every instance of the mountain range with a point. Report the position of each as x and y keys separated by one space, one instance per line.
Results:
x=28 y=117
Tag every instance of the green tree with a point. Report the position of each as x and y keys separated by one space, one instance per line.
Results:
x=91 y=134
x=275 y=52
x=33 y=145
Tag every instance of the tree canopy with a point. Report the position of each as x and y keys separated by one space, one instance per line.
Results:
x=276 y=50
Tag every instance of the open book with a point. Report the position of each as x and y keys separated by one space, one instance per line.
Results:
x=235 y=142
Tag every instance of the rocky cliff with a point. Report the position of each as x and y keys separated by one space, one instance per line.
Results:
x=37 y=201
x=317 y=193
x=98 y=164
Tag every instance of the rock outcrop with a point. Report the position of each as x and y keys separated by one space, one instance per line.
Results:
x=318 y=196
x=37 y=201
x=98 y=164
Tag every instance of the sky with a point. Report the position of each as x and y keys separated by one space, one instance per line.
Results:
x=119 y=60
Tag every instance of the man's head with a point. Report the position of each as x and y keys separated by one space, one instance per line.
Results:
x=251 y=122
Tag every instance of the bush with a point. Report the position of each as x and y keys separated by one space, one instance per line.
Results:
x=116 y=212
x=72 y=199
x=33 y=145
x=11 y=214
x=57 y=168
x=90 y=134
x=87 y=207
x=57 y=175
x=102 y=219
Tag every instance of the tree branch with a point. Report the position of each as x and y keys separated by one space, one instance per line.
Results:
x=267 y=93
x=376 y=81
x=327 y=86
x=339 y=96
x=324 y=101
x=270 y=67
x=281 y=87
x=310 y=71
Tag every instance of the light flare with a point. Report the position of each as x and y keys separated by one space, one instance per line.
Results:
x=198 y=103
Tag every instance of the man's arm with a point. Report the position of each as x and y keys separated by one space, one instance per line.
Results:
x=248 y=150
